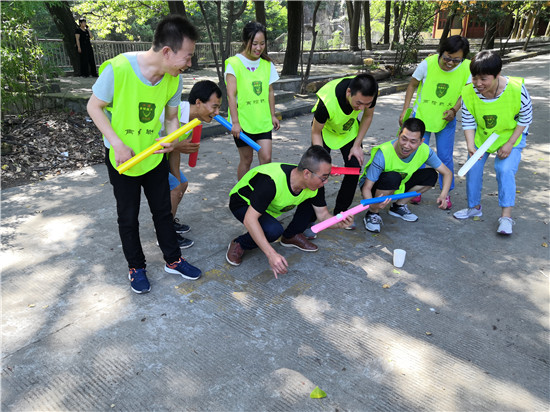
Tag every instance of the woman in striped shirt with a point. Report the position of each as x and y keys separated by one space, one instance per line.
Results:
x=494 y=104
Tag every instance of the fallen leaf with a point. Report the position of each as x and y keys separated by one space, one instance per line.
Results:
x=32 y=305
x=396 y=271
x=476 y=218
x=544 y=244
x=418 y=309
x=386 y=286
x=318 y=393
x=517 y=191
x=429 y=333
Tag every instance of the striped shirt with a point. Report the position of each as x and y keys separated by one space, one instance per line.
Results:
x=525 y=117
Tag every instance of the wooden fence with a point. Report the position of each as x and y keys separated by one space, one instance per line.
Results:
x=54 y=51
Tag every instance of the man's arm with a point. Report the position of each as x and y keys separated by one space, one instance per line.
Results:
x=277 y=262
x=317 y=133
x=95 y=109
x=447 y=180
x=232 y=103
x=274 y=120
x=411 y=88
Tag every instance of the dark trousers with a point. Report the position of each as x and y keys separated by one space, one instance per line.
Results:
x=127 y=191
x=349 y=182
x=272 y=228
x=392 y=180
x=87 y=62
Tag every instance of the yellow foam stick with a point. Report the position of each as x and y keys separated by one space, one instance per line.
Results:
x=157 y=146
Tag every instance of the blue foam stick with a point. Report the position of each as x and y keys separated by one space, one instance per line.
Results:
x=243 y=137
x=380 y=199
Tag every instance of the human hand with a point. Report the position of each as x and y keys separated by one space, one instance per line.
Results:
x=402 y=116
x=187 y=147
x=278 y=264
x=344 y=223
x=449 y=115
x=471 y=149
x=505 y=151
x=123 y=153
x=167 y=147
x=442 y=202
x=275 y=121
x=357 y=152
x=236 y=129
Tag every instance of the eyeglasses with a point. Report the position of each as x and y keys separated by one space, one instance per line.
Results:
x=451 y=60
x=323 y=179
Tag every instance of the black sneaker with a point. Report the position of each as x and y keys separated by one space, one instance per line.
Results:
x=403 y=212
x=180 y=227
x=184 y=243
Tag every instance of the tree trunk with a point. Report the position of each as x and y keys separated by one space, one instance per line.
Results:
x=448 y=25
x=387 y=20
x=312 y=49
x=355 y=21
x=535 y=24
x=366 y=16
x=491 y=34
x=65 y=22
x=295 y=10
x=260 y=12
x=520 y=28
x=396 y=23
x=528 y=25
x=513 y=34
x=177 y=7
x=547 y=32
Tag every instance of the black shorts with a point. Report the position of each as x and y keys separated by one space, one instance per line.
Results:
x=253 y=136
x=392 y=180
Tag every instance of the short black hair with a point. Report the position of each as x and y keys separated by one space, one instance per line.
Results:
x=313 y=157
x=486 y=62
x=203 y=90
x=452 y=44
x=414 y=124
x=171 y=31
x=364 y=83
x=81 y=19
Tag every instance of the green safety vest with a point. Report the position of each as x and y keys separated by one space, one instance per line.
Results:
x=439 y=92
x=253 y=95
x=393 y=163
x=284 y=199
x=136 y=109
x=340 y=128
x=498 y=116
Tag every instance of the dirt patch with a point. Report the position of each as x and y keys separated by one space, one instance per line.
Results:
x=47 y=144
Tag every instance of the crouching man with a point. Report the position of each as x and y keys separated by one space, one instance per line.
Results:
x=269 y=190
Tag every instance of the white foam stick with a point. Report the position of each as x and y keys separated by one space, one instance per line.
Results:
x=477 y=155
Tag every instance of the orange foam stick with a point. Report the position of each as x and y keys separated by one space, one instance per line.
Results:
x=195 y=138
x=157 y=146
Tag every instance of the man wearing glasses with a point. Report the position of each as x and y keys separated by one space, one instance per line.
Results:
x=269 y=190
x=438 y=81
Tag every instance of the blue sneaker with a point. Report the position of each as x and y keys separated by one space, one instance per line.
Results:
x=138 y=281
x=183 y=268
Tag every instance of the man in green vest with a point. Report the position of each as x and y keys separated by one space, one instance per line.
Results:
x=269 y=190
x=127 y=100
x=395 y=167
x=335 y=126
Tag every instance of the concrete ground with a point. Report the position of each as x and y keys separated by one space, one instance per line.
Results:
x=464 y=325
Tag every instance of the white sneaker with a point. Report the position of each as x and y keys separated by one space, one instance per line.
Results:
x=468 y=213
x=505 y=225
x=372 y=222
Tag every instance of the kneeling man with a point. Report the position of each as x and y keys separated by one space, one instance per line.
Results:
x=269 y=190
x=395 y=167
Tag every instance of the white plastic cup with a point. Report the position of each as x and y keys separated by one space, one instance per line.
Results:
x=399 y=257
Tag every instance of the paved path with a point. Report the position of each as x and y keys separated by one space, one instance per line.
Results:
x=463 y=325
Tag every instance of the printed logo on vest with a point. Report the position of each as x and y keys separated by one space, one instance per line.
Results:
x=348 y=124
x=403 y=175
x=146 y=112
x=287 y=208
x=441 y=89
x=490 y=121
x=257 y=86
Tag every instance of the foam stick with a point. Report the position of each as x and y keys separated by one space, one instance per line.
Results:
x=407 y=115
x=157 y=146
x=345 y=170
x=392 y=197
x=195 y=138
x=243 y=137
x=338 y=218
x=477 y=155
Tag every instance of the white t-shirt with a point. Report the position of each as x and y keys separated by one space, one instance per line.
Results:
x=185 y=108
x=252 y=65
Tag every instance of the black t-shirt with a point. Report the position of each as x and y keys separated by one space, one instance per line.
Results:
x=263 y=192
x=84 y=37
x=321 y=113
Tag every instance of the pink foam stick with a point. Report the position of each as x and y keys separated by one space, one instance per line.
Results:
x=338 y=218
x=345 y=170
x=195 y=138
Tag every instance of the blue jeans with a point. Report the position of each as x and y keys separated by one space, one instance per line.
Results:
x=445 y=143
x=506 y=177
x=272 y=228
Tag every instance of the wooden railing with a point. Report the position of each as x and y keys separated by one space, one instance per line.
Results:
x=54 y=51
